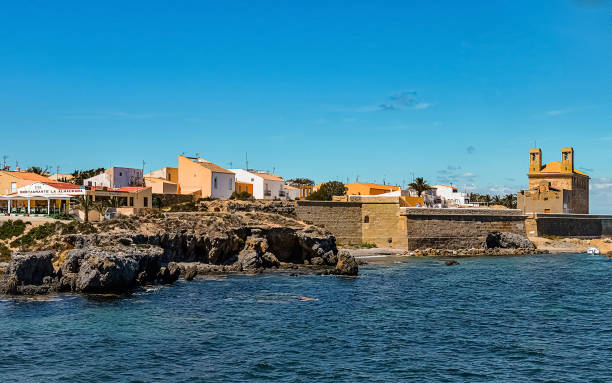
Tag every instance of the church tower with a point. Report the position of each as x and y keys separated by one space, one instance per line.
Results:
x=535 y=160
x=567 y=160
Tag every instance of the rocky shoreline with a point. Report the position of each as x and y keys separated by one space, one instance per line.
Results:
x=119 y=255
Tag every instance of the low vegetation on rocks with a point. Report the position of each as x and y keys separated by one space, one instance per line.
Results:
x=10 y=229
x=119 y=254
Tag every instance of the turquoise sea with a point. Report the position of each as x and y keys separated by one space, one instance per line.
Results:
x=545 y=318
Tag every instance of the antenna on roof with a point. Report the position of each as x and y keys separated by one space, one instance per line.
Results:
x=197 y=155
x=231 y=164
x=246 y=156
x=4 y=157
x=357 y=178
x=273 y=169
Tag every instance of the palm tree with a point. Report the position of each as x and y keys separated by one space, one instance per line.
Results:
x=86 y=204
x=419 y=185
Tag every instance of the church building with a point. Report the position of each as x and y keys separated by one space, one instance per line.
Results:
x=556 y=187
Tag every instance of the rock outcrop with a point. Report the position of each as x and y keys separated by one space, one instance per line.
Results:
x=497 y=240
x=31 y=268
x=347 y=265
x=128 y=252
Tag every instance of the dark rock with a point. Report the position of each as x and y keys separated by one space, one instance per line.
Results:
x=31 y=268
x=497 y=240
x=346 y=264
x=451 y=262
x=106 y=272
x=252 y=260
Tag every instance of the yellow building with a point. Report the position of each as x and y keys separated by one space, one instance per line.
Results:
x=204 y=179
x=242 y=187
x=362 y=188
x=11 y=181
x=557 y=187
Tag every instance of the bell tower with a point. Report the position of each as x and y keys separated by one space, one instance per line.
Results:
x=567 y=160
x=535 y=160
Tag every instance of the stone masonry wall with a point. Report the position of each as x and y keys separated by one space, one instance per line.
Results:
x=458 y=228
x=382 y=225
x=572 y=225
x=343 y=219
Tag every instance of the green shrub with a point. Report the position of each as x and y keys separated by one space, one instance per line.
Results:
x=76 y=227
x=367 y=245
x=64 y=217
x=10 y=229
x=5 y=253
x=37 y=233
x=185 y=206
x=243 y=196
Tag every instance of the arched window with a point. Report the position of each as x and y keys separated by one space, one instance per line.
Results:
x=215 y=182
x=366 y=219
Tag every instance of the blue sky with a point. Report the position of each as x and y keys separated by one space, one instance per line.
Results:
x=451 y=91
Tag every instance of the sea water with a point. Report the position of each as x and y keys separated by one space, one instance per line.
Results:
x=545 y=318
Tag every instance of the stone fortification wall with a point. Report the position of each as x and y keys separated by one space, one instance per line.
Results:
x=570 y=225
x=383 y=223
x=343 y=219
x=458 y=228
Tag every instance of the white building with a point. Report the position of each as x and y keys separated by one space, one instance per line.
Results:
x=450 y=196
x=117 y=177
x=40 y=198
x=265 y=185
x=293 y=193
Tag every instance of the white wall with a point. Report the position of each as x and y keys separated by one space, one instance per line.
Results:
x=274 y=187
x=226 y=184
x=293 y=194
x=103 y=179
x=450 y=196
x=250 y=178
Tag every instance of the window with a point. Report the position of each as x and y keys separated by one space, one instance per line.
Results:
x=120 y=174
x=215 y=182
x=366 y=219
x=146 y=201
x=131 y=201
x=88 y=183
x=565 y=156
x=533 y=156
x=230 y=183
x=13 y=186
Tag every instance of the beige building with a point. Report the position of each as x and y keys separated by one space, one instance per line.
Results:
x=204 y=179
x=557 y=187
x=163 y=181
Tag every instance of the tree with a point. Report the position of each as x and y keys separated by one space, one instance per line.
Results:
x=38 y=170
x=419 y=185
x=300 y=182
x=101 y=206
x=327 y=190
x=79 y=175
x=84 y=203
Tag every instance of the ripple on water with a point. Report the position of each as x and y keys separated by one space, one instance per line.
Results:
x=509 y=319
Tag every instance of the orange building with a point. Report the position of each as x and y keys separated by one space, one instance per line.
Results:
x=362 y=188
x=11 y=181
